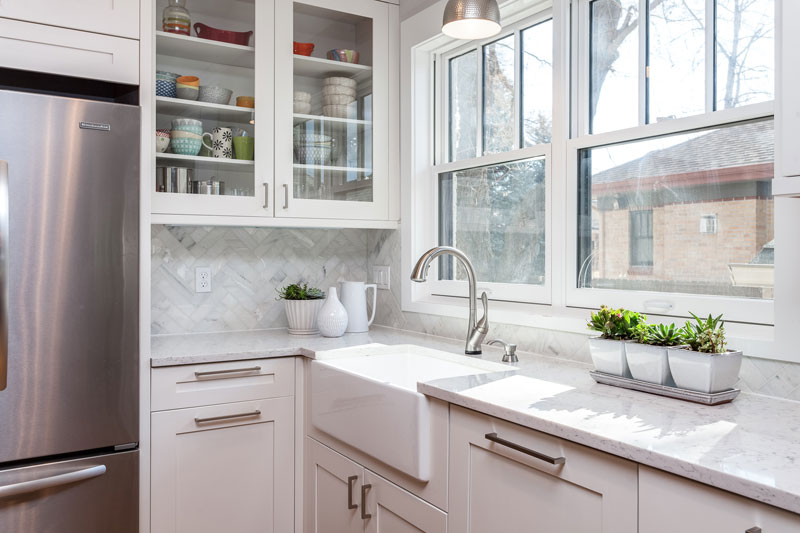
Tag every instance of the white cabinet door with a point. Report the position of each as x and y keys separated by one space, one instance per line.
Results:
x=226 y=467
x=669 y=503
x=494 y=487
x=332 y=491
x=787 y=79
x=41 y=48
x=112 y=17
x=394 y=510
x=332 y=144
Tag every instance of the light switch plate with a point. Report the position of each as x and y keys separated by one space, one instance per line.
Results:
x=380 y=275
x=202 y=279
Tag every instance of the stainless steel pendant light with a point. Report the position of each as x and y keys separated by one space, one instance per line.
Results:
x=471 y=19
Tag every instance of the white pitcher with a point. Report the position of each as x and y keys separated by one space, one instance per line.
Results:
x=354 y=299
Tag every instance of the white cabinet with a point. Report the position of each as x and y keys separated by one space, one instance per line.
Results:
x=67 y=52
x=669 y=503
x=341 y=496
x=111 y=17
x=510 y=485
x=787 y=112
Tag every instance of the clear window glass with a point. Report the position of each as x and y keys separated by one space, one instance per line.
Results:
x=709 y=230
x=463 y=106
x=614 y=56
x=677 y=44
x=498 y=96
x=496 y=215
x=745 y=52
x=537 y=84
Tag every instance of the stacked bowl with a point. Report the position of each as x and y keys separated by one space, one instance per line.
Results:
x=186 y=136
x=166 y=83
x=187 y=87
x=313 y=148
x=338 y=97
x=302 y=102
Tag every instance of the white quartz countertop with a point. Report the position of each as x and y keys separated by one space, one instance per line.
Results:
x=750 y=447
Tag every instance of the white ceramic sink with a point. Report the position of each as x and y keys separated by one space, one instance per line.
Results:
x=367 y=397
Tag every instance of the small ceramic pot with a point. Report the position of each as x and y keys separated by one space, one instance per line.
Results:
x=186 y=93
x=609 y=356
x=215 y=95
x=246 y=101
x=303 y=49
x=344 y=55
x=704 y=372
x=332 y=316
x=302 y=316
x=162 y=140
x=166 y=88
x=194 y=81
x=648 y=363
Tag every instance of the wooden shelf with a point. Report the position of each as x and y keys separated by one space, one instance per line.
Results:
x=299 y=118
x=210 y=163
x=203 y=110
x=788 y=187
x=331 y=168
x=315 y=67
x=197 y=49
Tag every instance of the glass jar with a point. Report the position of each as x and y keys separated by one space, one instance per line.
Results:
x=176 y=18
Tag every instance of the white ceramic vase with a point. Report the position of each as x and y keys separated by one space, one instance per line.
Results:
x=609 y=356
x=332 y=317
x=704 y=372
x=302 y=316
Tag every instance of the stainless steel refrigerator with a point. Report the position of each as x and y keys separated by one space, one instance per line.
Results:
x=69 y=279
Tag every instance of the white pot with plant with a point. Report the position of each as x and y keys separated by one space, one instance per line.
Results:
x=705 y=365
x=302 y=305
x=617 y=328
x=647 y=357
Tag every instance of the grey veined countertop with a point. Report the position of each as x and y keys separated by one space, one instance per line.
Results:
x=750 y=447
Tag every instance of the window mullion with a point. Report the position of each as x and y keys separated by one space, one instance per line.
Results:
x=711 y=55
x=517 y=90
x=481 y=101
x=644 y=80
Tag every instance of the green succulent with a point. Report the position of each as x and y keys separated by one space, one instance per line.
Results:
x=296 y=291
x=616 y=324
x=661 y=335
x=706 y=335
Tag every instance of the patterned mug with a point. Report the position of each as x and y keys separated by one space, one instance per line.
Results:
x=221 y=144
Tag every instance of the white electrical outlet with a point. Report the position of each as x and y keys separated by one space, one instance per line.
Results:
x=380 y=275
x=202 y=279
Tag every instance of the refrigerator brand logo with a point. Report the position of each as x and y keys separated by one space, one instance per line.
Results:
x=95 y=126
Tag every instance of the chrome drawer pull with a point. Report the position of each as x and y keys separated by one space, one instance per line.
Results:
x=230 y=371
x=266 y=195
x=364 y=515
x=755 y=529
x=350 y=482
x=546 y=458
x=226 y=417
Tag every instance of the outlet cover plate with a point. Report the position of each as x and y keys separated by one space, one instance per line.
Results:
x=380 y=275
x=202 y=279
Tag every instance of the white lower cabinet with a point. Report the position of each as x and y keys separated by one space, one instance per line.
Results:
x=668 y=503
x=510 y=486
x=227 y=467
x=342 y=496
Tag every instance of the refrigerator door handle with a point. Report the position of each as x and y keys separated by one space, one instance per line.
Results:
x=34 y=485
x=3 y=274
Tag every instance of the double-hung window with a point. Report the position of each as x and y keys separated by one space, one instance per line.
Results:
x=491 y=179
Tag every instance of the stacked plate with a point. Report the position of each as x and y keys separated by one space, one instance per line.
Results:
x=338 y=97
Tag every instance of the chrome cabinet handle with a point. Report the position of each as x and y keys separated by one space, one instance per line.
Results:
x=3 y=275
x=508 y=444
x=285 y=196
x=226 y=417
x=365 y=515
x=266 y=195
x=24 y=487
x=230 y=371
x=350 y=482
x=755 y=529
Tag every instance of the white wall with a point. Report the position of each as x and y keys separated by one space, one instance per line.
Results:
x=409 y=8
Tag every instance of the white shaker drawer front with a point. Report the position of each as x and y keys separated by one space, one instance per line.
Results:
x=111 y=17
x=80 y=54
x=176 y=387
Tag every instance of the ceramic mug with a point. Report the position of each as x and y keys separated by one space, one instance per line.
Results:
x=244 y=147
x=221 y=144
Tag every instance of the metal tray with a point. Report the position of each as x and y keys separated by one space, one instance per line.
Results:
x=715 y=398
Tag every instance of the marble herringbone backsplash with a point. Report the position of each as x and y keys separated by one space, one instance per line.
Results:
x=247 y=265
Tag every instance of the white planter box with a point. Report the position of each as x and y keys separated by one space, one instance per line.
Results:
x=302 y=316
x=704 y=372
x=649 y=363
x=609 y=356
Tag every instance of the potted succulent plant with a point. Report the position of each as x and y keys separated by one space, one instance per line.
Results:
x=705 y=364
x=302 y=306
x=617 y=327
x=647 y=357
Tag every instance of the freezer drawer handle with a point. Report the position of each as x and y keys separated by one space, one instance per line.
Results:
x=34 y=485
x=514 y=446
x=229 y=371
x=226 y=417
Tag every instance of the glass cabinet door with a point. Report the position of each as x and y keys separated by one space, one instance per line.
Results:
x=332 y=109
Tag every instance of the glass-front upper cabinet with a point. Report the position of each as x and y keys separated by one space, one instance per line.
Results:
x=332 y=109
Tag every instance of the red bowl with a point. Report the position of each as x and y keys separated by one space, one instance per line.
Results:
x=303 y=49
x=226 y=36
